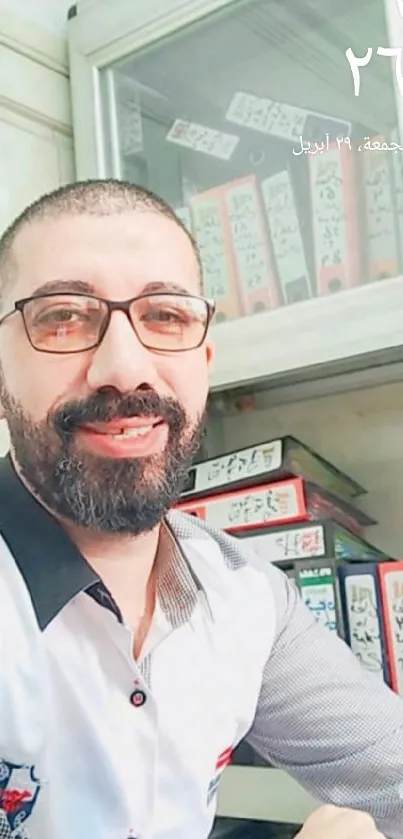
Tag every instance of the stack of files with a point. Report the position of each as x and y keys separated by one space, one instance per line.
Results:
x=285 y=457
x=363 y=603
x=339 y=576
x=319 y=539
x=283 y=502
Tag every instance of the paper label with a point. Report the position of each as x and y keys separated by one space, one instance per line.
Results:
x=247 y=236
x=210 y=236
x=298 y=543
x=381 y=241
x=241 y=465
x=318 y=594
x=279 y=119
x=275 y=504
x=284 y=227
x=363 y=617
x=328 y=210
x=202 y=139
x=267 y=116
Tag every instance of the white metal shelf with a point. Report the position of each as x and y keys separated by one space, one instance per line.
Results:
x=326 y=330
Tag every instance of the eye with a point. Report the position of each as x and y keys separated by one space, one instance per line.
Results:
x=62 y=315
x=165 y=316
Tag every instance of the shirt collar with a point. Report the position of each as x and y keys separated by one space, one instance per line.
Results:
x=55 y=571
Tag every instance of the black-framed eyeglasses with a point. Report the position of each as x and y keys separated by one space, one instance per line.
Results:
x=75 y=322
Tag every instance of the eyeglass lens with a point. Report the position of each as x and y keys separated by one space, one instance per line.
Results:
x=70 y=323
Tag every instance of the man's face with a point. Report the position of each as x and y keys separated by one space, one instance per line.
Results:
x=68 y=414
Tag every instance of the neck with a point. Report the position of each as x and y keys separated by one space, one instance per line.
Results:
x=125 y=566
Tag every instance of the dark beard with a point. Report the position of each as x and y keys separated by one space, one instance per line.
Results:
x=125 y=496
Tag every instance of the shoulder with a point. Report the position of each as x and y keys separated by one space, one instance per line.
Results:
x=234 y=552
x=228 y=558
x=190 y=528
x=224 y=554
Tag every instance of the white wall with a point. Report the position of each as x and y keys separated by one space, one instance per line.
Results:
x=361 y=433
x=48 y=14
x=36 y=145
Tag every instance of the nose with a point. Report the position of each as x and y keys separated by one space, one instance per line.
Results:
x=121 y=361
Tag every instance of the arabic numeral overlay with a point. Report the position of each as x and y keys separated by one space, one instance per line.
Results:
x=356 y=62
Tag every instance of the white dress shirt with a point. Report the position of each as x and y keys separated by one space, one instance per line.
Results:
x=94 y=744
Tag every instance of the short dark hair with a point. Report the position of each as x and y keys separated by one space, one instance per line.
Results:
x=91 y=197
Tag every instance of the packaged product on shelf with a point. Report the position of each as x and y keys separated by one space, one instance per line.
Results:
x=363 y=618
x=390 y=576
x=251 y=247
x=381 y=244
x=335 y=219
x=286 y=237
x=285 y=457
x=283 y=502
x=319 y=539
x=211 y=229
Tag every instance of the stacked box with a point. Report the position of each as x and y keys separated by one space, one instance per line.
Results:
x=292 y=507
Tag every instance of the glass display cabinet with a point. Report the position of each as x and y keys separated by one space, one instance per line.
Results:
x=274 y=128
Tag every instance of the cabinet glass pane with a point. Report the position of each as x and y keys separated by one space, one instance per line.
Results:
x=249 y=125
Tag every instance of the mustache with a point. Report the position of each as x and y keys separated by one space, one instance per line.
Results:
x=108 y=407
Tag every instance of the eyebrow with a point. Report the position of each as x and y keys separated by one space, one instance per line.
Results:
x=81 y=287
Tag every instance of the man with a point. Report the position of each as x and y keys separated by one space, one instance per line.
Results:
x=138 y=646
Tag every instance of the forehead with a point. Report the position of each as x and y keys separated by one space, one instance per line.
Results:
x=118 y=254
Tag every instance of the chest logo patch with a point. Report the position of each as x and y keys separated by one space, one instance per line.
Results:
x=223 y=760
x=19 y=791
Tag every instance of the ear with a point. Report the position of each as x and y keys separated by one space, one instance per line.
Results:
x=210 y=352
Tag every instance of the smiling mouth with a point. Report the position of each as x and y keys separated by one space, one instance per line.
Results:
x=121 y=429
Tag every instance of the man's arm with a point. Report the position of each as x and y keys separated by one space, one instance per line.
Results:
x=323 y=718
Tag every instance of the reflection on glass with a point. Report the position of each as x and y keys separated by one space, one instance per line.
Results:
x=249 y=124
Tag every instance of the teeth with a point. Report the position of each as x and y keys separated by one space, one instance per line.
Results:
x=140 y=431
